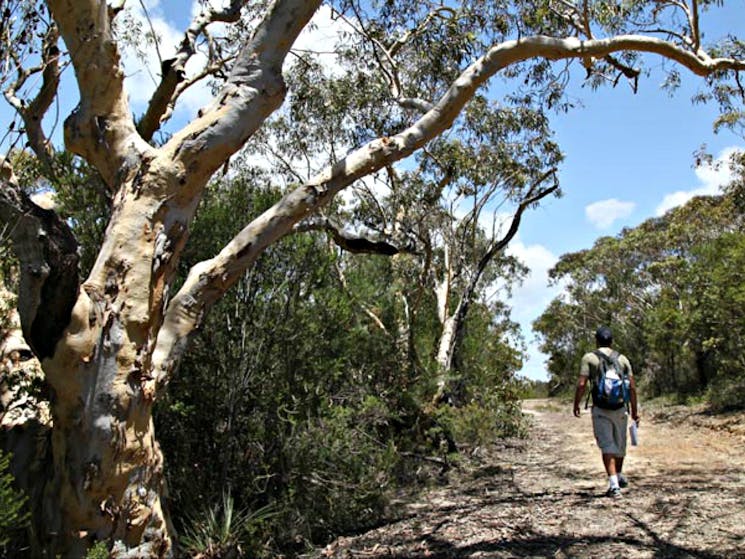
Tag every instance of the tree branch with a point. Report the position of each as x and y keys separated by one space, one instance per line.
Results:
x=253 y=91
x=32 y=113
x=101 y=128
x=173 y=70
x=534 y=195
x=351 y=243
x=413 y=103
x=209 y=279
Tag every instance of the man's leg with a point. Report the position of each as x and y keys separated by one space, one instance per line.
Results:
x=603 y=429
x=610 y=462
x=620 y=432
x=619 y=470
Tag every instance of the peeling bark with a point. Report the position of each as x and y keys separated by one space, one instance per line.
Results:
x=47 y=252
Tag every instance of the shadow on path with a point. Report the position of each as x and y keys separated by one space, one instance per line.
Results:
x=544 y=497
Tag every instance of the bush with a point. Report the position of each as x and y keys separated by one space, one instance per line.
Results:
x=477 y=424
x=224 y=530
x=13 y=517
x=726 y=394
x=531 y=389
x=98 y=551
x=338 y=474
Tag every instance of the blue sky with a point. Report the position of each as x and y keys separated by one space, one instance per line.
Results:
x=635 y=150
x=625 y=153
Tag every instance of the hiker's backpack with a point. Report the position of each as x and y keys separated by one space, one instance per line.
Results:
x=610 y=389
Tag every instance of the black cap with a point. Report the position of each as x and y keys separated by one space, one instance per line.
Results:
x=604 y=337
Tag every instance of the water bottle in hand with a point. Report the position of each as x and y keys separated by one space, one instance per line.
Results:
x=634 y=432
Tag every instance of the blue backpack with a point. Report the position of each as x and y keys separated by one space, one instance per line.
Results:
x=610 y=390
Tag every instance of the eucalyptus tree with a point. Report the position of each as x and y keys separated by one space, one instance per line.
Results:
x=715 y=318
x=647 y=283
x=454 y=213
x=109 y=342
x=608 y=284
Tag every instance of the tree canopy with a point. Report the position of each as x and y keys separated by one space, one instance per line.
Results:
x=669 y=288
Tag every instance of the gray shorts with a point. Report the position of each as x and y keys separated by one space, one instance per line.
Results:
x=609 y=427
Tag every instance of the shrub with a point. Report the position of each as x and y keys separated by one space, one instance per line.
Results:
x=224 y=530
x=476 y=424
x=726 y=394
x=98 y=551
x=13 y=517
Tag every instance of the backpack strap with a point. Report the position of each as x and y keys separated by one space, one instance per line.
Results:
x=607 y=358
x=600 y=355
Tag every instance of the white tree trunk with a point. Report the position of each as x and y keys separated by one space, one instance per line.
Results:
x=445 y=348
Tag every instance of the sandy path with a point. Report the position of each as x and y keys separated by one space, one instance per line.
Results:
x=544 y=497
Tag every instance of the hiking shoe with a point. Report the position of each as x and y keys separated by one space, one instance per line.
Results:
x=622 y=482
x=613 y=493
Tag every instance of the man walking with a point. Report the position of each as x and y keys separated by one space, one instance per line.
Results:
x=613 y=391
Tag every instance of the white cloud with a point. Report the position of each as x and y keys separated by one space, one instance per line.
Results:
x=711 y=177
x=321 y=36
x=142 y=76
x=605 y=213
x=530 y=299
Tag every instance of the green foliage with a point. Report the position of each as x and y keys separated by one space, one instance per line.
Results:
x=275 y=398
x=481 y=423
x=717 y=317
x=672 y=289
x=340 y=467
x=99 y=551
x=726 y=393
x=310 y=380
x=79 y=195
x=13 y=517
x=532 y=389
x=224 y=530
x=296 y=399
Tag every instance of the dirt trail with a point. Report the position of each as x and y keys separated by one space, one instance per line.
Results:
x=544 y=497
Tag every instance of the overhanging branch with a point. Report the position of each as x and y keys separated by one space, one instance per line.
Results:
x=356 y=244
x=173 y=70
x=208 y=280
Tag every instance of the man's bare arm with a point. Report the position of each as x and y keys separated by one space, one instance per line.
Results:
x=578 y=393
